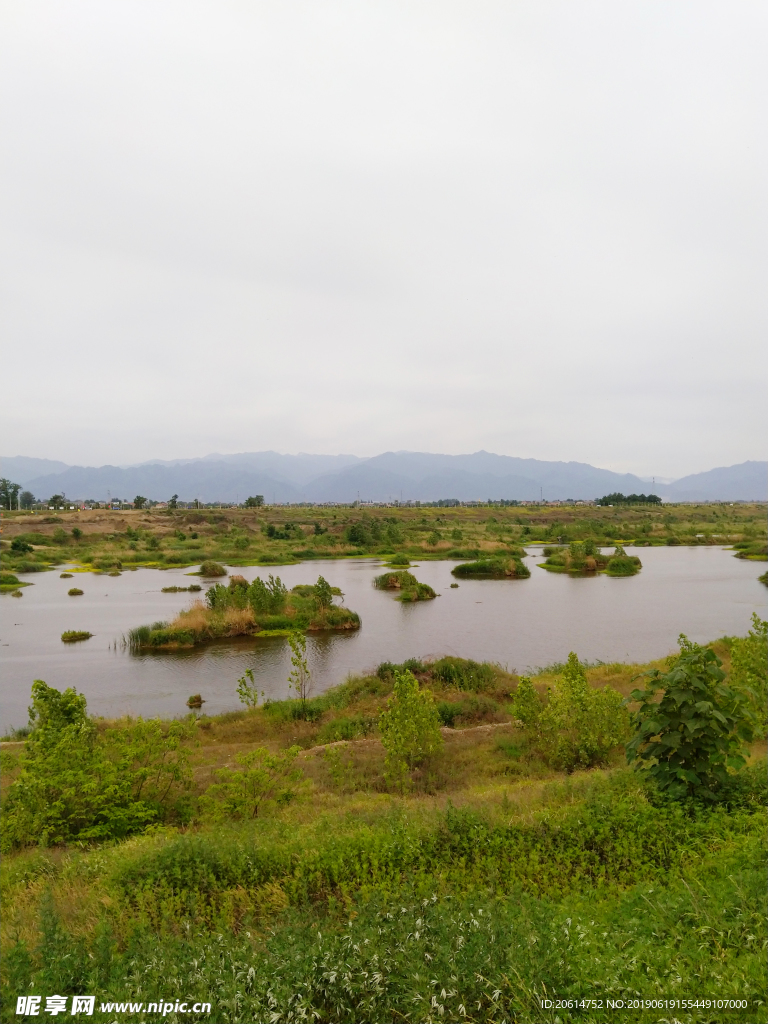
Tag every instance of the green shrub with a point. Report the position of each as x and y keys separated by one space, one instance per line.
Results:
x=77 y=785
x=211 y=568
x=267 y=598
x=690 y=739
x=448 y=711
x=622 y=564
x=526 y=704
x=749 y=668
x=261 y=777
x=580 y=725
x=400 y=558
x=75 y=592
x=410 y=729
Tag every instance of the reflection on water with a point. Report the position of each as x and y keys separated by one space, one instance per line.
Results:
x=704 y=592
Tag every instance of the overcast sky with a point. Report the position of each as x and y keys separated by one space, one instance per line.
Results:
x=537 y=228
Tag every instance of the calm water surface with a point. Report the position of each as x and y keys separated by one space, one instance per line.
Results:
x=704 y=592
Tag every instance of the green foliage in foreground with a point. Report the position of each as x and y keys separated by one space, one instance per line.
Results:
x=688 y=740
x=77 y=784
x=460 y=919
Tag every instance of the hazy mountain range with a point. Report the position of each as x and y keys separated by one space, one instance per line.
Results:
x=391 y=476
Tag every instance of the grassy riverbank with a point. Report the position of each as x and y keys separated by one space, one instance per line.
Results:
x=108 y=541
x=497 y=880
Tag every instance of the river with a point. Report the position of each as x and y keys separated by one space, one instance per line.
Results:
x=703 y=591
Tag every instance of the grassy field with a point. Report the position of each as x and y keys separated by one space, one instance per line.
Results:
x=497 y=883
x=111 y=541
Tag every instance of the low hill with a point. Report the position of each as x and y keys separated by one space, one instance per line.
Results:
x=748 y=481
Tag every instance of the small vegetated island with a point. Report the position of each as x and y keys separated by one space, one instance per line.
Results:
x=10 y=582
x=73 y=636
x=586 y=559
x=509 y=566
x=242 y=609
x=409 y=587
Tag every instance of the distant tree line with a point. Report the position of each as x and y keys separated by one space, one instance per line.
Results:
x=629 y=499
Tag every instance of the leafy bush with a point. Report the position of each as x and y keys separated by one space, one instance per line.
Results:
x=749 y=668
x=400 y=558
x=261 y=777
x=448 y=712
x=688 y=740
x=622 y=564
x=580 y=725
x=211 y=568
x=323 y=592
x=410 y=729
x=75 y=784
x=526 y=704
x=267 y=598
x=20 y=546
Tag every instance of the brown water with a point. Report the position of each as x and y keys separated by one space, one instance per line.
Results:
x=704 y=592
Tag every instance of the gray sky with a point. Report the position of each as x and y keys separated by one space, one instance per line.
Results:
x=537 y=228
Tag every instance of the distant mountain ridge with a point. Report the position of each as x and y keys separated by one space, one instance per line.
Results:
x=415 y=476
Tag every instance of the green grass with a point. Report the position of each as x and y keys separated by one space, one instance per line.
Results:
x=596 y=892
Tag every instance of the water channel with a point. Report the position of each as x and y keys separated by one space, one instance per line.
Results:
x=703 y=591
